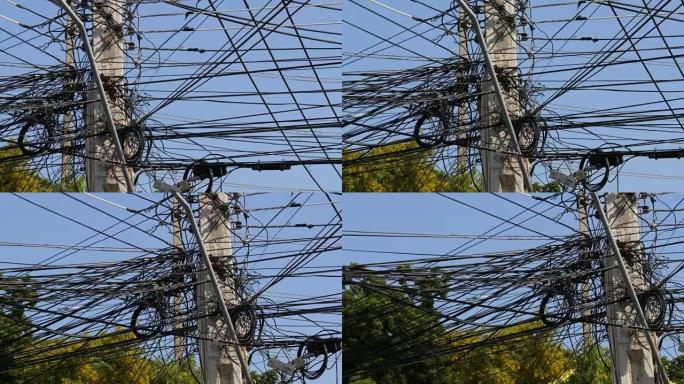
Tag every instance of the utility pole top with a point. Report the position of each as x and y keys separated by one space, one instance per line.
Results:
x=503 y=168
x=220 y=362
x=104 y=149
x=634 y=351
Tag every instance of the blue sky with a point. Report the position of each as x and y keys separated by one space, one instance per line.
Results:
x=469 y=215
x=433 y=214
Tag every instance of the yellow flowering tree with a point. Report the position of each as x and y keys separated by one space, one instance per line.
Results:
x=403 y=167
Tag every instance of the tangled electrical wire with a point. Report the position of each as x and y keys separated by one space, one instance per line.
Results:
x=416 y=90
x=202 y=90
x=159 y=303
x=472 y=302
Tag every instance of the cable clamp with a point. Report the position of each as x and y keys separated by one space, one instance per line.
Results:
x=563 y=179
x=181 y=186
x=286 y=369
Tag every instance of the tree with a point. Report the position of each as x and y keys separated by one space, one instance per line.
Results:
x=109 y=358
x=589 y=367
x=404 y=167
x=393 y=334
x=14 y=326
x=16 y=175
x=521 y=353
x=539 y=357
x=375 y=319
x=675 y=368
x=268 y=377
x=182 y=372
x=553 y=187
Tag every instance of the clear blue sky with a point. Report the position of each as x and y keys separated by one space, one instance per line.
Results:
x=469 y=214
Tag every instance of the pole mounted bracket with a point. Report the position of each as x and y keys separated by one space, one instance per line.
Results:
x=163 y=187
x=285 y=369
x=181 y=186
x=563 y=179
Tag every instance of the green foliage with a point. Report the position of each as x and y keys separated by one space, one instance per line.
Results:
x=114 y=358
x=117 y=360
x=524 y=353
x=77 y=185
x=17 y=176
x=589 y=367
x=553 y=187
x=183 y=372
x=268 y=377
x=14 y=327
x=425 y=289
x=401 y=167
x=521 y=353
x=675 y=369
x=363 y=381
x=368 y=324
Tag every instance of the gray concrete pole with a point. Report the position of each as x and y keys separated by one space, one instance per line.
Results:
x=214 y=283
x=634 y=351
x=584 y=233
x=462 y=113
x=220 y=363
x=66 y=144
x=178 y=252
x=105 y=163
x=509 y=144
x=502 y=172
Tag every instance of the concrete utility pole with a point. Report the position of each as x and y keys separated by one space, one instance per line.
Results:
x=462 y=113
x=633 y=358
x=584 y=236
x=103 y=169
x=178 y=253
x=66 y=144
x=501 y=171
x=220 y=363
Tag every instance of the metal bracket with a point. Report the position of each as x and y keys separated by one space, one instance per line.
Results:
x=562 y=179
x=286 y=369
